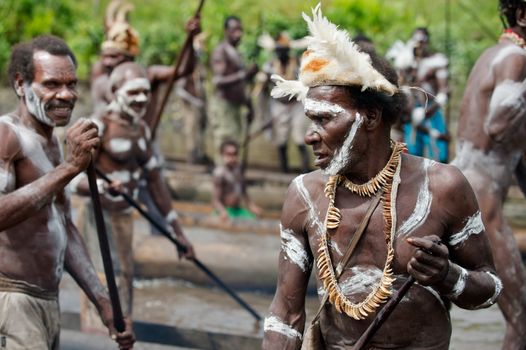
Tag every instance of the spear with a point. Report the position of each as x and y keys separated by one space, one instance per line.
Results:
x=118 y=319
x=180 y=247
x=383 y=314
x=164 y=98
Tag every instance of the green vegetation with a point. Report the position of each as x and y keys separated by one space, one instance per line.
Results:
x=474 y=26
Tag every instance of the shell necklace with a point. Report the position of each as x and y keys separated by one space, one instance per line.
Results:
x=513 y=37
x=382 y=290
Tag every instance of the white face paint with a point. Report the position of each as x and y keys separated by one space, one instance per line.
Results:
x=274 y=324
x=322 y=107
x=293 y=250
x=473 y=226
x=36 y=107
x=422 y=206
x=340 y=160
x=119 y=145
x=133 y=91
x=312 y=216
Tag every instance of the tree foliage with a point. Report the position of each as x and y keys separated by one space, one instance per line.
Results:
x=473 y=27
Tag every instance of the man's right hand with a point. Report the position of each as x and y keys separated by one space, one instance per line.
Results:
x=82 y=140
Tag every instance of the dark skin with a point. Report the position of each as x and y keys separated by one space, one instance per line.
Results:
x=123 y=126
x=157 y=74
x=230 y=76
x=491 y=134
x=419 y=253
x=38 y=239
x=225 y=194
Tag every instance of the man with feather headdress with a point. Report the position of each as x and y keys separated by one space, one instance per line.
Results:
x=423 y=216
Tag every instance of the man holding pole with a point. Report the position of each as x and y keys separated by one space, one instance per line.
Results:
x=125 y=155
x=37 y=237
x=372 y=216
x=490 y=148
x=230 y=77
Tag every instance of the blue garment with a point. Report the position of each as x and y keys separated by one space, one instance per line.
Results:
x=421 y=144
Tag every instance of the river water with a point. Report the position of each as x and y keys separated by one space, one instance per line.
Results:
x=185 y=305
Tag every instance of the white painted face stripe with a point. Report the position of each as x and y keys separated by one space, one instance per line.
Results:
x=135 y=84
x=119 y=145
x=498 y=289
x=340 y=160
x=322 y=107
x=460 y=284
x=274 y=324
x=294 y=250
x=36 y=107
x=313 y=217
x=473 y=226
x=422 y=206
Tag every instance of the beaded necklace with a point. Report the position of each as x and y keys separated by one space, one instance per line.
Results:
x=385 y=180
x=513 y=37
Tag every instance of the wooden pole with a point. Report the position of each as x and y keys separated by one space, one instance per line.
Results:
x=118 y=319
x=164 y=98
x=382 y=316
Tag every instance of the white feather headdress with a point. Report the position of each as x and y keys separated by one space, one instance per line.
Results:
x=331 y=59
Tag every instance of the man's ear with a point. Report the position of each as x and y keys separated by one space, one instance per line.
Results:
x=520 y=15
x=19 y=85
x=373 y=117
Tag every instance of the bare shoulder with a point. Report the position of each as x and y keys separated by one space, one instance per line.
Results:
x=10 y=146
x=508 y=61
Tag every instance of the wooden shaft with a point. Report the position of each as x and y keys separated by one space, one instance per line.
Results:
x=118 y=319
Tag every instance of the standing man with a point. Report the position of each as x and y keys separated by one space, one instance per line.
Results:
x=427 y=133
x=426 y=225
x=126 y=155
x=230 y=77
x=287 y=115
x=490 y=146
x=37 y=237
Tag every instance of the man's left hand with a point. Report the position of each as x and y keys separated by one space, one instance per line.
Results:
x=430 y=261
x=125 y=339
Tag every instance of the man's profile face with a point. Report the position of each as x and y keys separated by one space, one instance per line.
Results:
x=230 y=156
x=234 y=32
x=52 y=94
x=334 y=125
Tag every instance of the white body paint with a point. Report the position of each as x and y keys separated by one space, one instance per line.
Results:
x=460 y=284
x=275 y=324
x=473 y=226
x=123 y=176
x=120 y=145
x=498 y=289
x=340 y=159
x=322 y=107
x=505 y=52
x=335 y=248
x=434 y=62
x=507 y=94
x=171 y=216
x=362 y=280
x=7 y=181
x=422 y=206
x=294 y=250
x=313 y=216
x=142 y=144
x=153 y=163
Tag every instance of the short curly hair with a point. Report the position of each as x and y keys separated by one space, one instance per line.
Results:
x=507 y=10
x=21 y=61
